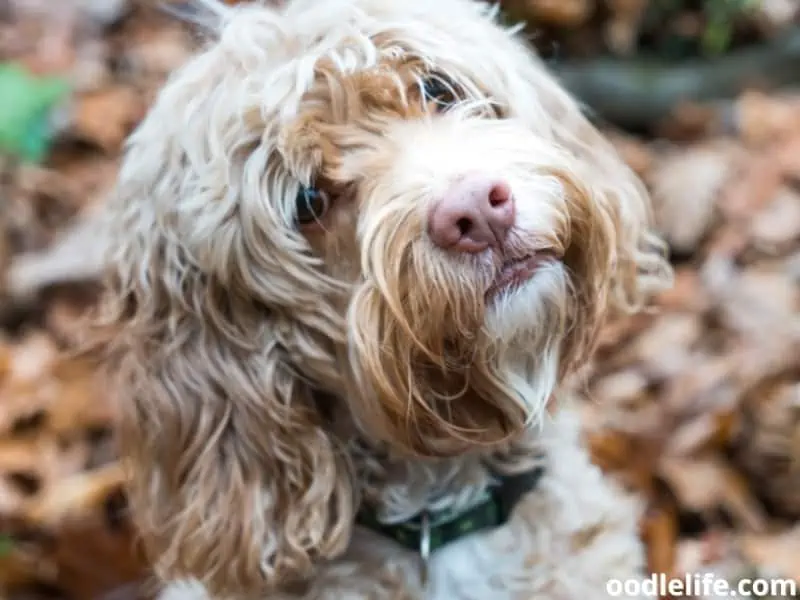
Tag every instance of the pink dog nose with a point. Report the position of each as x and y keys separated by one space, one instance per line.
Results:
x=473 y=214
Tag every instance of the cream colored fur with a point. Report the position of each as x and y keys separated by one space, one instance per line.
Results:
x=276 y=376
x=565 y=540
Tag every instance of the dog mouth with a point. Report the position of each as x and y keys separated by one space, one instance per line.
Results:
x=517 y=271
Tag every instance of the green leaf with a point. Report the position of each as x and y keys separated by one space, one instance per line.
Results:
x=26 y=104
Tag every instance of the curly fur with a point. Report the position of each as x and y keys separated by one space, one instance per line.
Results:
x=275 y=377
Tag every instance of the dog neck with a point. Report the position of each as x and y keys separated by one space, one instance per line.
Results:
x=398 y=487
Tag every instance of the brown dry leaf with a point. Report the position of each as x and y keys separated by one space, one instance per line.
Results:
x=759 y=304
x=630 y=458
x=712 y=552
x=700 y=390
x=663 y=349
x=703 y=484
x=788 y=157
x=20 y=568
x=90 y=179
x=728 y=242
x=660 y=533
x=107 y=116
x=559 y=13
x=618 y=331
x=73 y=497
x=157 y=51
x=687 y=293
x=775 y=554
x=29 y=359
x=763 y=118
x=707 y=431
x=757 y=182
x=67 y=402
x=89 y=538
x=697 y=483
x=627 y=402
x=778 y=225
x=50 y=45
x=91 y=71
x=768 y=445
x=95 y=562
x=66 y=316
x=769 y=360
x=30 y=466
x=76 y=256
x=82 y=406
x=740 y=502
x=685 y=185
x=622 y=387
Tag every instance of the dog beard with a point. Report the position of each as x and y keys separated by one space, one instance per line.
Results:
x=440 y=367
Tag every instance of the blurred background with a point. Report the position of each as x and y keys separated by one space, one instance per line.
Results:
x=695 y=406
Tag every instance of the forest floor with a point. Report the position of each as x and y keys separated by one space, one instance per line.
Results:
x=695 y=405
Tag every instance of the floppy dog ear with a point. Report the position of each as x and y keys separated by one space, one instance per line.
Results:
x=623 y=262
x=629 y=254
x=235 y=480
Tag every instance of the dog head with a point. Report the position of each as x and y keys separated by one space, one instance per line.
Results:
x=391 y=201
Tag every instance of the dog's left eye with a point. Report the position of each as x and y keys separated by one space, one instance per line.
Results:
x=312 y=204
x=438 y=91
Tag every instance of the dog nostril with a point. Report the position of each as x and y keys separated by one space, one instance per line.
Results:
x=499 y=195
x=473 y=214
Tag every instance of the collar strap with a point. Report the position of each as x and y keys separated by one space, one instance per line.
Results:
x=427 y=532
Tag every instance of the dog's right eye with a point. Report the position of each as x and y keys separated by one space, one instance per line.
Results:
x=312 y=204
x=438 y=91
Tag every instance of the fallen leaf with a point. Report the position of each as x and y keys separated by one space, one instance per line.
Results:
x=705 y=484
x=687 y=293
x=660 y=532
x=778 y=225
x=685 y=185
x=777 y=554
x=663 y=349
x=75 y=257
x=762 y=118
x=107 y=116
x=768 y=444
x=561 y=13
x=757 y=182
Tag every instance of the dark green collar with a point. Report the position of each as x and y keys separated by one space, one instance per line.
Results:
x=427 y=532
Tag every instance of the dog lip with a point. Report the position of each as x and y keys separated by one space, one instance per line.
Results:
x=516 y=271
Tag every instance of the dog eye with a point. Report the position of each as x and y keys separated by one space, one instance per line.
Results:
x=312 y=204
x=439 y=92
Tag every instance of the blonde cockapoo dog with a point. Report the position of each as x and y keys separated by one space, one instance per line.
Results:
x=358 y=244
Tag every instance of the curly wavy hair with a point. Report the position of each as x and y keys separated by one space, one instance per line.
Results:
x=223 y=318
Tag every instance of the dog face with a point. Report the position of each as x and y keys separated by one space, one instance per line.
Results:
x=391 y=201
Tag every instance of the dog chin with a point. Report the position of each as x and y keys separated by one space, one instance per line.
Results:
x=531 y=313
